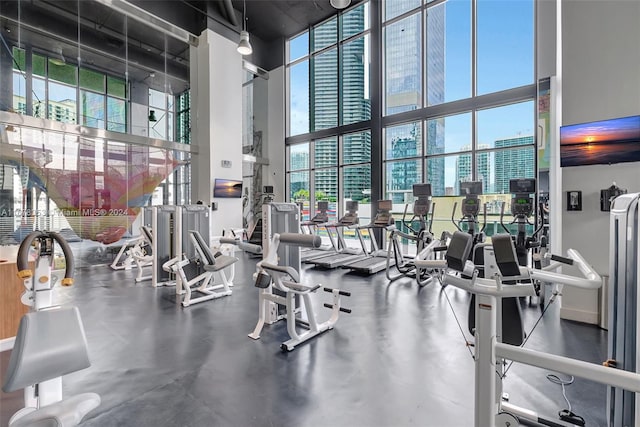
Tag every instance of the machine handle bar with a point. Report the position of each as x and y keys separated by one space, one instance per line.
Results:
x=562 y=259
x=345 y=293
x=453 y=213
x=344 y=310
x=313 y=241
x=23 y=255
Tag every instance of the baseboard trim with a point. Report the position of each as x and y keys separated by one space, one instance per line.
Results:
x=7 y=344
x=579 y=316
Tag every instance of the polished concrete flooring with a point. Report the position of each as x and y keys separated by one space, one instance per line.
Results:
x=398 y=360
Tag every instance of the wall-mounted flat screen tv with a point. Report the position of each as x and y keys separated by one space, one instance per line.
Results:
x=227 y=188
x=600 y=143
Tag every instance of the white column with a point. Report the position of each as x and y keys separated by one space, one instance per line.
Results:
x=216 y=124
x=274 y=149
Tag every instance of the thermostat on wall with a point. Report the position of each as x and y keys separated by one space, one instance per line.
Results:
x=225 y=163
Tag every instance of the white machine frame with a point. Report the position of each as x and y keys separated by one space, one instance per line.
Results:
x=38 y=295
x=624 y=302
x=489 y=409
x=286 y=279
x=210 y=290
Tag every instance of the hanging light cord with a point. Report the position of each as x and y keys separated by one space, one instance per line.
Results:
x=244 y=15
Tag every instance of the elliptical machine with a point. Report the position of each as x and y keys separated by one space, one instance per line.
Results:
x=470 y=209
x=404 y=265
x=522 y=208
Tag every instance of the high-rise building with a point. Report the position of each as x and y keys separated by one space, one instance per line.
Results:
x=354 y=102
x=401 y=175
x=514 y=163
x=464 y=169
x=403 y=75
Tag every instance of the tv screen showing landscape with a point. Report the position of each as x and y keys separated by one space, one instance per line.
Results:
x=227 y=188
x=603 y=142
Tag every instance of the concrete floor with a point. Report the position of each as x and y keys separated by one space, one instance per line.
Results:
x=398 y=360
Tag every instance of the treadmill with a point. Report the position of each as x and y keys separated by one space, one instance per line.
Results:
x=344 y=254
x=311 y=226
x=376 y=260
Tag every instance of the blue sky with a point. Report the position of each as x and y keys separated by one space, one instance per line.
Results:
x=505 y=60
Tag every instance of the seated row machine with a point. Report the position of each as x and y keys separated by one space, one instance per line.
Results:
x=280 y=286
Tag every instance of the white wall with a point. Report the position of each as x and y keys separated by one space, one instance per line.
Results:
x=275 y=148
x=216 y=124
x=600 y=80
x=546 y=38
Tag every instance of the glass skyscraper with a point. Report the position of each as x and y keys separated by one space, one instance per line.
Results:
x=354 y=104
x=514 y=163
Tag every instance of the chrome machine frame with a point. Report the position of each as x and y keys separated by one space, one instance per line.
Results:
x=624 y=301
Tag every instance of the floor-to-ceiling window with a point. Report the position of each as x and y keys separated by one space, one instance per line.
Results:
x=329 y=113
x=458 y=100
x=456 y=97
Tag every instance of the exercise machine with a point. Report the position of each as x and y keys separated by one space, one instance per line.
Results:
x=624 y=303
x=376 y=259
x=169 y=226
x=205 y=265
x=142 y=255
x=344 y=253
x=470 y=210
x=400 y=264
x=490 y=354
x=297 y=296
x=50 y=342
x=123 y=260
x=320 y=219
x=255 y=233
x=522 y=208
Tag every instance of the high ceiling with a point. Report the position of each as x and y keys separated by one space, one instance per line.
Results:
x=275 y=20
x=105 y=40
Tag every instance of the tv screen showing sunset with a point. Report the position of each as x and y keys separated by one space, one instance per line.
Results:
x=603 y=142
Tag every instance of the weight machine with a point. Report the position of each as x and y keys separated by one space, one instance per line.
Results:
x=295 y=297
x=205 y=265
x=624 y=300
x=169 y=225
x=50 y=341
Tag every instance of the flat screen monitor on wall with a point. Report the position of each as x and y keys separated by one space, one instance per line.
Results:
x=229 y=188
x=600 y=143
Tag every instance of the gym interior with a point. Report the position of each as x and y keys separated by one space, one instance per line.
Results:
x=319 y=213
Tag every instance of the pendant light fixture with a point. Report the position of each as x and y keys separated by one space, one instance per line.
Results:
x=244 y=47
x=340 y=4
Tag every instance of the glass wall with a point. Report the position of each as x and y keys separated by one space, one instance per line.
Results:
x=90 y=188
x=328 y=70
x=116 y=76
x=464 y=139
x=86 y=166
x=438 y=61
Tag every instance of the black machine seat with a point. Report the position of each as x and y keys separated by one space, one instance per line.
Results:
x=459 y=250
x=505 y=253
x=211 y=262
x=512 y=324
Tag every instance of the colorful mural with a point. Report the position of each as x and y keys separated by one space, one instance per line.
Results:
x=98 y=186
